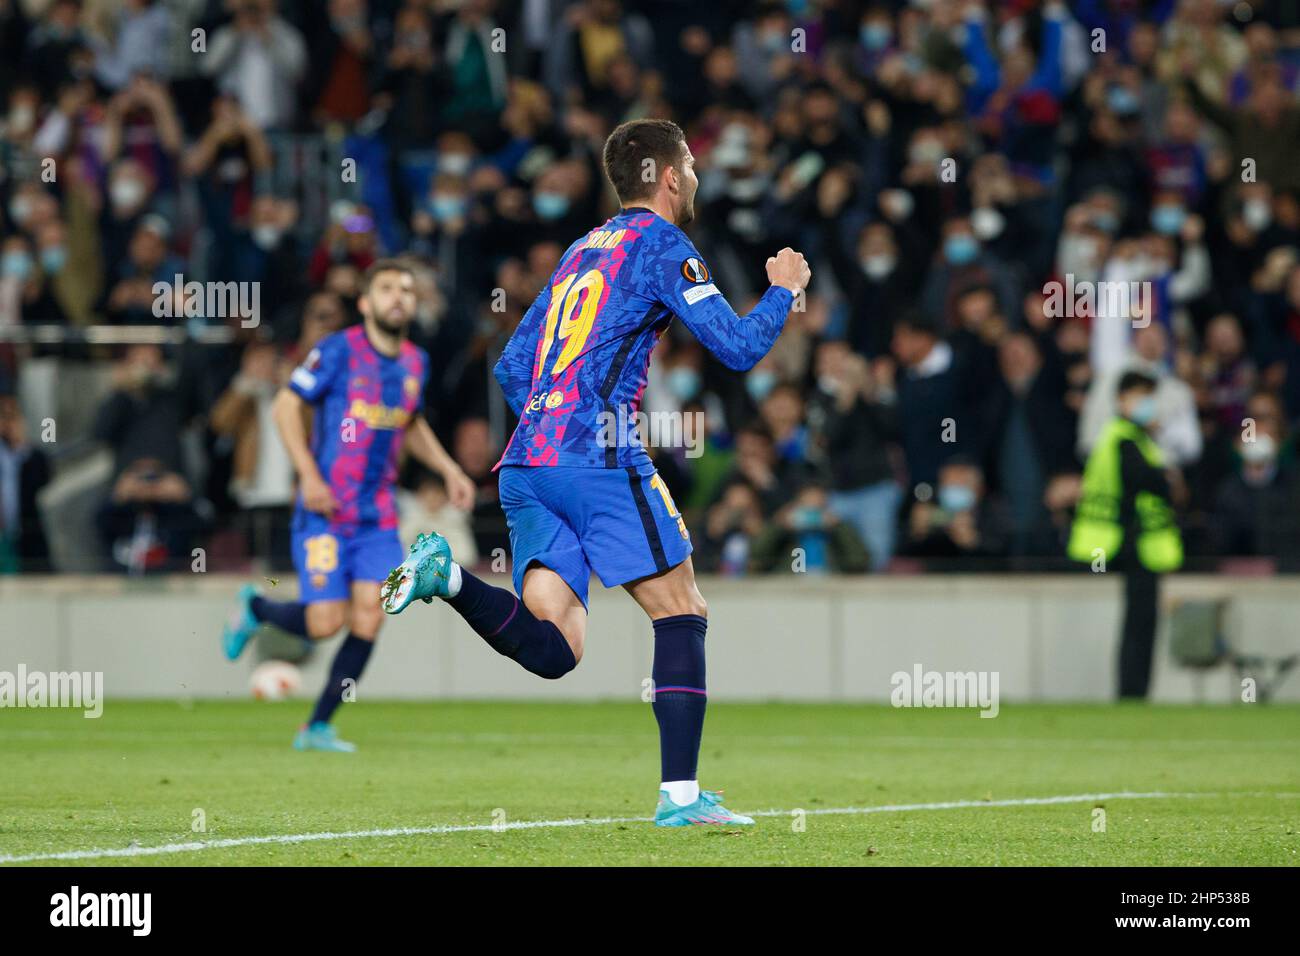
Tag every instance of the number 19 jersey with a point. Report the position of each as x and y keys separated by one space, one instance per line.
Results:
x=575 y=369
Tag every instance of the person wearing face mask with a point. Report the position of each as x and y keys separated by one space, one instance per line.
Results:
x=24 y=287
x=878 y=282
x=851 y=421
x=810 y=531
x=1179 y=434
x=963 y=262
x=1256 y=506
x=1126 y=517
x=960 y=521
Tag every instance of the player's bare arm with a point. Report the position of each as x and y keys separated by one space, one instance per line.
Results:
x=288 y=413
x=423 y=444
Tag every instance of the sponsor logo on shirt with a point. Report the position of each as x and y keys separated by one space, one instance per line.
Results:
x=378 y=416
x=549 y=400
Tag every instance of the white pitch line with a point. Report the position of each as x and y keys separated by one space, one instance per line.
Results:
x=134 y=851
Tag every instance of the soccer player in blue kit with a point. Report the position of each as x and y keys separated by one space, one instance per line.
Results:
x=579 y=491
x=364 y=388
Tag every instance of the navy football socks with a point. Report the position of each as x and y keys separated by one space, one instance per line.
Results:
x=290 y=616
x=680 y=697
x=511 y=630
x=349 y=662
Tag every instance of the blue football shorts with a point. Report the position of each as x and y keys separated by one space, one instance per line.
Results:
x=330 y=558
x=618 y=522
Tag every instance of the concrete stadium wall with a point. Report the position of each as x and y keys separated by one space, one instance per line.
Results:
x=1050 y=638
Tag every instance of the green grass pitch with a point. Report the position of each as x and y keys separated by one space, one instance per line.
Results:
x=143 y=774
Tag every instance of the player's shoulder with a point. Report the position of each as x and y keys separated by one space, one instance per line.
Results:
x=322 y=359
x=336 y=342
x=671 y=256
x=671 y=248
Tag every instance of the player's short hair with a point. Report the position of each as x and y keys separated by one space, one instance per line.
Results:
x=1135 y=379
x=628 y=148
x=384 y=265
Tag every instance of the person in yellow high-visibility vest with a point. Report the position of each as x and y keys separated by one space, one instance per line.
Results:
x=1126 y=515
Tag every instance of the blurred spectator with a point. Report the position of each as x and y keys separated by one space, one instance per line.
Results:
x=730 y=529
x=339 y=65
x=929 y=391
x=1029 y=440
x=24 y=471
x=1178 y=433
x=1227 y=375
x=57 y=47
x=258 y=59
x=852 y=422
x=964 y=262
x=807 y=537
x=261 y=480
x=130 y=300
x=348 y=240
x=757 y=462
x=960 y=521
x=322 y=314
x=135 y=42
x=1255 y=508
x=426 y=507
x=150 y=517
x=472 y=448
x=781 y=410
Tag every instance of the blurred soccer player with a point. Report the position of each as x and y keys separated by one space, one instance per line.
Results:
x=579 y=492
x=364 y=386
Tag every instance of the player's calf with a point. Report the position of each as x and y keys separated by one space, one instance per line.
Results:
x=495 y=614
x=670 y=593
x=254 y=610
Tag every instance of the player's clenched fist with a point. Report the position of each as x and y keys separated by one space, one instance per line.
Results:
x=788 y=269
x=316 y=495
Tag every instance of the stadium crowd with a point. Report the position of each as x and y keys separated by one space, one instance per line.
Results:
x=942 y=164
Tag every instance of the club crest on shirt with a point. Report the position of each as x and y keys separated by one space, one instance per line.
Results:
x=411 y=386
x=693 y=270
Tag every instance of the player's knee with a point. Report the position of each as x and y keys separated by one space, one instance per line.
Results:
x=325 y=621
x=699 y=607
x=556 y=669
x=690 y=601
x=366 y=622
x=562 y=663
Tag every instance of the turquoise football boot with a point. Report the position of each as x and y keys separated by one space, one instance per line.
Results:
x=708 y=809
x=321 y=736
x=241 y=627
x=424 y=575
